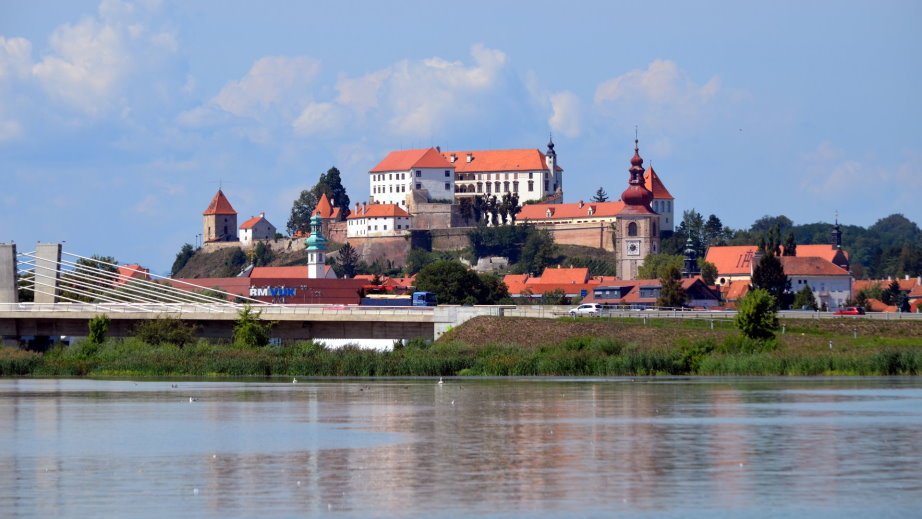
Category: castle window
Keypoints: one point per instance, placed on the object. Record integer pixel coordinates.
(632, 229)
(515, 186)
(447, 173)
(419, 173)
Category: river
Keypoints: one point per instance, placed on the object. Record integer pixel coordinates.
(646, 447)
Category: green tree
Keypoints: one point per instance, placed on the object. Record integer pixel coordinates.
(655, 266)
(262, 255)
(757, 316)
(600, 195)
(466, 209)
(331, 184)
(769, 275)
(301, 211)
(250, 329)
(99, 327)
(671, 294)
(538, 252)
(804, 299)
(182, 257)
(790, 245)
(494, 290)
(554, 297)
(166, 330)
(348, 259)
(861, 299)
(708, 271)
(451, 281)
(891, 295)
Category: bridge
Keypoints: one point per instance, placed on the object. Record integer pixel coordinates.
(68, 290)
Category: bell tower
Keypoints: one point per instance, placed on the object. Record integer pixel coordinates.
(316, 250)
(636, 232)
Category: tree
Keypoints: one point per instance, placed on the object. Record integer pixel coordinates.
(554, 297)
(250, 329)
(348, 259)
(494, 290)
(451, 281)
(466, 209)
(166, 330)
(757, 316)
(862, 300)
(538, 252)
(769, 275)
(514, 207)
(99, 327)
(91, 279)
(714, 232)
(708, 271)
(182, 257)
(671, 294)
(790, 245)
(891, 295)
(767, 223)
(600, 196)
(804, 299)
(656, 266)
(331, 184)
(301, 210)
(262, 255)
(478, 208)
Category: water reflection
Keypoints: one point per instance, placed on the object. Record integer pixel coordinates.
(472, 447)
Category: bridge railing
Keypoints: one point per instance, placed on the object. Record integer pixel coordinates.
(188, 309)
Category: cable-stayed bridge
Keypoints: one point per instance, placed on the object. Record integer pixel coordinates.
(67, 290)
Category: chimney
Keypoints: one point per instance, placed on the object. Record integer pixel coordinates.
(438, 149)
(580, 204)
(262, 214)
(470, 157)
(907, 277)
(453, 158)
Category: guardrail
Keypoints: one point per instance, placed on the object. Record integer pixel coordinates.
(181, 309)
(553, 312)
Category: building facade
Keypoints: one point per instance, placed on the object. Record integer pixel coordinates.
(219, 220)
(663, 202)
(636, 229)
(402, 172)
(377, 220)
(529, 173)
(256, 228)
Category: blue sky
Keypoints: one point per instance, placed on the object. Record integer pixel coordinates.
(119, 119)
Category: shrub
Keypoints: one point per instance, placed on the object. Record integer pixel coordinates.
(166, 330)
(250, 329)
(757, 315)
(99, 327)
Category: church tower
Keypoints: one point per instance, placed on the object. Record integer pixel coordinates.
(316, 250)
(837, 234)
(636, 231)
(219, 220)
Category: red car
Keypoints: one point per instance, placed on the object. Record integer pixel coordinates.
(850, 310)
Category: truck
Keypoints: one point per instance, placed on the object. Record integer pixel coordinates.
(414, 299)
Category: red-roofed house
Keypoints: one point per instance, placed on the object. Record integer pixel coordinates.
(528, 172)
(401, 172)
(256, 228)
(735, 262)
(377, 220)
(643, 293)
(831, 285)
(219, 220)
(326, 211)
(574, 282)
(133, 271)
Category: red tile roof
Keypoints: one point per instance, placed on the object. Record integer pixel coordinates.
(876, 305)
(299, 271)
(653, 183)
(323, 208)
(405, 160)
(379, 211)
(249, 224)
(132, 271)
(219, 205)
(498, 160)
(569, 211)
(906, 285)
(732, 259)
(810, 266)
(562, 275)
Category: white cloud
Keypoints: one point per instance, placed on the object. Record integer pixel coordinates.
(9, 130)
(318, 118)
(361, 94)
(566, 116)
(15, 58)
(274, 83)
(661, 96)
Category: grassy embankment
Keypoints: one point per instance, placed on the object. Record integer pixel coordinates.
(519, 346)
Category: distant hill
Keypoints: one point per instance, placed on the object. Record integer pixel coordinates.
(231, 261)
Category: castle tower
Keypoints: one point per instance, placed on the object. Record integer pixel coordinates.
(316, 250)
(219, 220)
(636, 231)
(550, 158)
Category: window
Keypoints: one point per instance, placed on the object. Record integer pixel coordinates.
(385, 227)
(506, 187)
(419, 173)
(390, 177)
(497, 185)
(419, 186)
(447, 185)
(447, 173)
(515, 186)
(545, 185)
(632, 229)
(530, 176)
(531, 184)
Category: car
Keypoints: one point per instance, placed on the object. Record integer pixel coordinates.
(586, 309)
(850, 310)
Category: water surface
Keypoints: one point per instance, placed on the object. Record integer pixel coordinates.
(530, 447)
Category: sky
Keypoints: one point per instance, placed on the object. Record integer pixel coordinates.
(119, 120)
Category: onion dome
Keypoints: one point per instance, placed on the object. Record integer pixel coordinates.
(637, 197)
(316, 241)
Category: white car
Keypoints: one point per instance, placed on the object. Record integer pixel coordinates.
(586, 309)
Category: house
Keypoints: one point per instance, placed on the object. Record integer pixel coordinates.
(529, 173)
(643, 293)
(132, 271)
(831, 285)
(911, 287)
(255, 229)
(663, 202)
(326, 211)
(402, 172)
(219, 220)
(565, 214)
(573, 282)
(736, 262)
(377, 220)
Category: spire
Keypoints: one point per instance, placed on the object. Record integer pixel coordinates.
(316, 242)
(550, 146)
(837, 234)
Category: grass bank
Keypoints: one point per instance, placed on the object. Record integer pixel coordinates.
(519, 347)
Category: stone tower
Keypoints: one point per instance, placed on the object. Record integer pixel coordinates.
(316, 250)
(219, 220)
(636, 232)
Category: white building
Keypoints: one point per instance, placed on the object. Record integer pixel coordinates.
(831, 285)
(527, 172)
(256, 228)
(404, 171)
(663, 202)
(371, 220)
